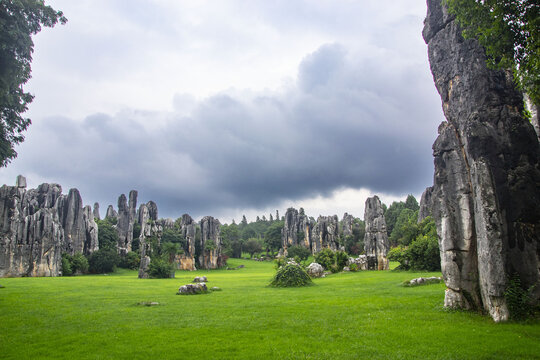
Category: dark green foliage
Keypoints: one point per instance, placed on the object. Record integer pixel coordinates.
(291, 275)
(103, 261)
(392, 214)
(66, 265)
(341, 259)
(272, 236)
(160, 268)
(136, 232)
(107, 235)
(299, 253)
(519, 300)
(422, 253)
(170, 250)
(76, 264)
(405, 229)
(411, 203)
(173, 236)
(326, 258)
(509, 32)
(279, 262)
(19, 20)
(79, 263)
(230, 238)
(253, 246)
(132, 260)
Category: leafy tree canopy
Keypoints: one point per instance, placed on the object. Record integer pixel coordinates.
(510, 33)
(19, 20)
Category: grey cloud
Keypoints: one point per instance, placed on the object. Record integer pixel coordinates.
(349, 122)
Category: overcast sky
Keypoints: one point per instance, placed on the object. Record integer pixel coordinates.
(228, 107)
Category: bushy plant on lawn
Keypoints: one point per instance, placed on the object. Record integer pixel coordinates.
(76, 264)
(103, 261)
(341, 259)
(298, 253)
(131, 261)
(160, 268)
(291, 275)
(519, 301)
(325, 257)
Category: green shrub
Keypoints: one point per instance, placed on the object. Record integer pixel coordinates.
(300, 252)
(279, 262)
(401, 255)
(341, 259)
(79, 263)
(103, 261)
(326, 258)
(424, 254)
(131, 261)
(66, 265)
(291, 275)
(353, 267)
(334, 268)
(160, 268)
(519, 301)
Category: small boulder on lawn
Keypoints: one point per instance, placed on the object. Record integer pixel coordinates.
(192, 289)
(315, 270)
(200, 279)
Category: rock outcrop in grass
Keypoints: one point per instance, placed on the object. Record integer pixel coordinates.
(376, 238)
(486, 194)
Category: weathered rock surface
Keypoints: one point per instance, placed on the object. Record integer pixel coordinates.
(423, 281)
(210, 244)
(295, 224)
(348, 224)
(325, 234)
(361, 262)
(200, 279)
(486, 195)
(376, 238)
(38, 225)
(126, 221)
(96, 211)
(315, 270)
(192, 289)
(111, 213)
(426, 204)
(188, 229)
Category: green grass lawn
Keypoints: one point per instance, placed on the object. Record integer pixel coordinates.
(344, 316)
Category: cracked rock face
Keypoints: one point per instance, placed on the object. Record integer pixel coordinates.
(325, 234)
(210, 244)
(126, 220)
(296, 224)
(426, 204)
(486, 193)
(376, 242)
(38, 225)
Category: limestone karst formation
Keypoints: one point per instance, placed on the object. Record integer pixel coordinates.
(486, 193)
(126, 220)
(426, 204)
(210, 256)
(300, 230)
(295, 224)
(38, 225)
(376, 242)
(188, 228)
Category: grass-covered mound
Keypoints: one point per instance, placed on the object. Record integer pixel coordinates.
(291, 275)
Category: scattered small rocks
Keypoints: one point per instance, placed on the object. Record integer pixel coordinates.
(346, 268)
(240, 266)
(200, 279)
(215, 288)
(423, 281)
(193, 289)
(148, 303)
(315, 270)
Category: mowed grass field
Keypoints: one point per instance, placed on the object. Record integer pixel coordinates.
(363, 315)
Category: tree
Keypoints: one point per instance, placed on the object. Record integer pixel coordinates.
(107, 235)
(272, 236)
(298, 252)
(392, 214)
(253, 246)
(411, 203)
(169, 250)
(406, 228)
(509, 31)
(19, 20)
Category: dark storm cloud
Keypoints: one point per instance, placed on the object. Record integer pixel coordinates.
(348, 122)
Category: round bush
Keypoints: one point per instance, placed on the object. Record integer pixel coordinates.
(326, 258)
(291, 275)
